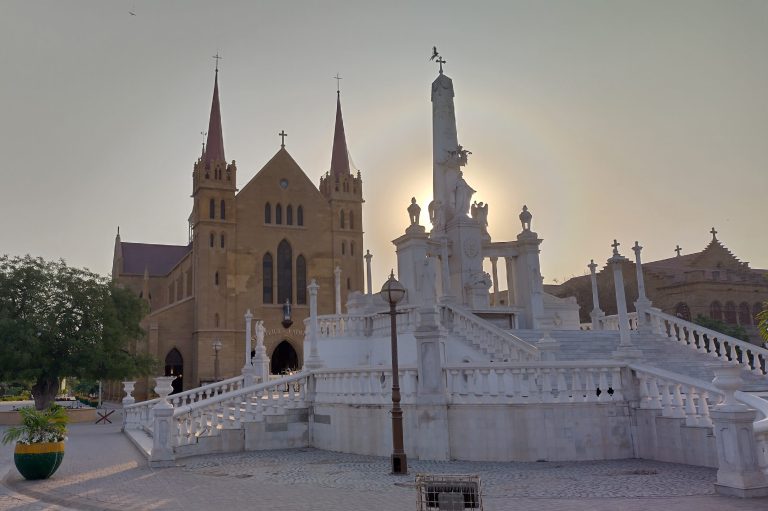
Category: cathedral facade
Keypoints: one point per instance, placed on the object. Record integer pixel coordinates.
(254, 249)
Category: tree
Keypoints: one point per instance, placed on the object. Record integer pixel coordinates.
(57, 321)
(736, 331)
(762, 322)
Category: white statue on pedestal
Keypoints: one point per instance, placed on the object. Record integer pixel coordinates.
(463, 195)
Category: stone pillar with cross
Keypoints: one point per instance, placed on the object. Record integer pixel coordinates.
(642, 304)
(368, 256)
(597, 314)
(625, 350)
(282, 134)
(678, 250)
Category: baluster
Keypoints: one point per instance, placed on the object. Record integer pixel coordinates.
(484, 384)
(654, 403)
(514, 391)
(677, 401)
(455, 384)
(691, 419)
(704, 418)
(603, 383)
(562, 386)
(546, 385)
(577, 392)
(500, 388)
(618, 394)
(590, 385)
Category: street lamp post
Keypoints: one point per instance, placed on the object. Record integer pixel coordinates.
(392, 292)
(216, 350)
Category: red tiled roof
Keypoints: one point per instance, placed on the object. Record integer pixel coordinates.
(157, 259)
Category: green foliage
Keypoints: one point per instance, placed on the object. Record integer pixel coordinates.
(762, 322)
(736, 331)
(57, 321)
(38, 426)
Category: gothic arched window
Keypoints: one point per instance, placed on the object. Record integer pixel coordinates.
(301, 280)
(267, 213)
(351, 220)
(278, 214)
(289, 215)
(745, 318)
(216, 320)
(223, 210)
(716, 311)
(216, 279)
(212, 239)
(266, 274)
(343, 247)
(351, 248)
(212, 209)
(341, 218)
(756, 309)
(729, 313)
(284, 272)
(300, 216)
(222, 240)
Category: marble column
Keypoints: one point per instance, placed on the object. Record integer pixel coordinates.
(313, 361)
(643, 303)
(368, 256)
(248, 372)
(510, 267)
(597, 314)
(495, 276)
(337, 284)
(625, 342)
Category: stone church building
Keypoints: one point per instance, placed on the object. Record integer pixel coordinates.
(712, 282)
(254, 249)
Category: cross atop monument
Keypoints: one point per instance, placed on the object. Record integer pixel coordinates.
(714, 234)
(615, 246)
(218, 58)
(441, 61)
(592, 266)
(282, 134)
(678, 249)
(338, 79)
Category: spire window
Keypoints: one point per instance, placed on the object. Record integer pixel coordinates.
(300, 216)
(222, 240)
(216, 279)
(351, 219)
(351, 248)
(267, 278)
(278, 214)
(289, 215)
(343, 247)
(268, 213)
(223, 210)
(212, 240)
(341, 219)
(212, 209)
(301, 280)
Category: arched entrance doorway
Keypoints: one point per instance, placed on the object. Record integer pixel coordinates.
(283, 359)
(174, 366)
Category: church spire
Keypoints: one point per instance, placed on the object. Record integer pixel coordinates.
(214, 147)
(339, 157)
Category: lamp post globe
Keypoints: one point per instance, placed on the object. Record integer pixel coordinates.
(393, 292)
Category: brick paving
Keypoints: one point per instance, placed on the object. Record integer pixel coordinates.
(102, 470)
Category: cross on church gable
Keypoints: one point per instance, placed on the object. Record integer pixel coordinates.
(282, 134)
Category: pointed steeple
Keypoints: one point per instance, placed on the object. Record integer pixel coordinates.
(214, 146)
(339, 157)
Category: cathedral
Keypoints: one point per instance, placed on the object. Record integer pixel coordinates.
(254, 248)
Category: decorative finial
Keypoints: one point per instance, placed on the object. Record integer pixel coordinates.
(637, 248)
(204, 134)
(338, 79)
(592, 265)
(218, 58)
(678, 249)
(118, 230)
(282, 134)
(392, 274)
(714, 234)
(615, 246)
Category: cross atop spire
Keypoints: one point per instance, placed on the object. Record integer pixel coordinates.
(615, 246)
(441, 61)
(218, 58)
(678, 250)
(714, 234)
(282, 134)
(338, 79)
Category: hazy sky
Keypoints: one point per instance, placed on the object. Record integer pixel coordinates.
(610, 119)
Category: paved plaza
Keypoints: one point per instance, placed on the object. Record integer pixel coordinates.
(102, 470)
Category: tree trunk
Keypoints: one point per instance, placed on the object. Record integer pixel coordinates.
(44, 391)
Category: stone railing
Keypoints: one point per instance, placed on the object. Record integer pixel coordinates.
(676, 395)
(232, 409)
(483, 335)
(539, 382)
(377, 324)
(720, 346)
(363, 385)
(612, 322)
(139, 415)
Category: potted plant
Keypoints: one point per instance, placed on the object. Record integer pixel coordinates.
(39, 441)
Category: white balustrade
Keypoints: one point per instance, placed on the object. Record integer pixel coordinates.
(720, 346)
(230, 410)
(485, 336)
(368, 385)
(535, 382)
(138, 415)
(612, 322)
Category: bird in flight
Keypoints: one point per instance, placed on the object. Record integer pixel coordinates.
(434, 53)
(132, 13)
